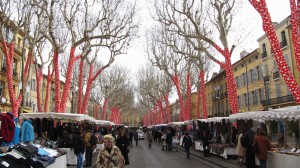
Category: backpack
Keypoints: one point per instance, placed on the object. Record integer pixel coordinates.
(244, 140)
(93, 139)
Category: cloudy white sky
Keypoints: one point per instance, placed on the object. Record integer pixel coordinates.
(137, 57)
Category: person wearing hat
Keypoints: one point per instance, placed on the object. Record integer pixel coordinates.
(111, 155)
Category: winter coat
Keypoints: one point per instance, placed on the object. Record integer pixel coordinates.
(87, 138)
(263, 145)
(187, 141)
(7, 127)
(27, 131)
(136, 136)
(77, 143)
(114, 159)
(240, 150)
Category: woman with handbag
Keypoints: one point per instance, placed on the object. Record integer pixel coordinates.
(263, 144)
(122, 143)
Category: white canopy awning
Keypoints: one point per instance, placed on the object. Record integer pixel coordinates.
(214, 119)
(102, 122)
(60, 116)
(176, 123)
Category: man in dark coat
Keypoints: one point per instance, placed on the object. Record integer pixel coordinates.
(250, 155)
(122, 143)
(136, 138)
(78, 146)
(130, 137)
(187, 142)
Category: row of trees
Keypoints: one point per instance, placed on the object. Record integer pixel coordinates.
(67, 36)
(193, 33)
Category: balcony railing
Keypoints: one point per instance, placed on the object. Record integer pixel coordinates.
(264, 55)
(277, 100)
(283, 43)
(276, 75)
(266, 79)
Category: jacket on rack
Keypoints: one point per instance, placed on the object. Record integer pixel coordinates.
(27, 131)
(7, 127)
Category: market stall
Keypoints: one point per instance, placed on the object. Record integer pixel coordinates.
(222, 149)
(67, 123)
(280, 155)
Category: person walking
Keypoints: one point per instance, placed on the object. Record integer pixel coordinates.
(205, 138)
(187, 142)
(88, 147)
(122, 143)
(78, 146)
(130, 137)
(164, 142)
(264, 146)
(150, 138)
(110, 156)
(169, 139)
(250, 155)
(136, 138)
(240, 149)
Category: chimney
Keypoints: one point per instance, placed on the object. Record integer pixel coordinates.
(243, 54)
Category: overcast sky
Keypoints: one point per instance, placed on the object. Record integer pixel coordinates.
(137, 57)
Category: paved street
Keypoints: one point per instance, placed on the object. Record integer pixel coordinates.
(142, 157)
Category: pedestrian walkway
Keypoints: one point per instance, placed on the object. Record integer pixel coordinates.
(142, 157)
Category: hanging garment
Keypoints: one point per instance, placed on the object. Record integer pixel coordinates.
(7, 127)
(27, 132)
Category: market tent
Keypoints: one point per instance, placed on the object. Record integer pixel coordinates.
(290, 113)
(175, 123)
(102, 122)
(60, 116)
(35, 115)
(253, 115)
(215, 119)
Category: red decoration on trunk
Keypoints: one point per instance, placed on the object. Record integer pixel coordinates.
(8, 53)
(48, 87)
(104, 109)
(188, 98)
(231, 85)
(166, 97)
(268, 27)
(177, 84)
(295, 22)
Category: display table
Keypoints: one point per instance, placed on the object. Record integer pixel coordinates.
(60, 162)
(278, 160)
(223, 150)
(199, 145)
(71, 157)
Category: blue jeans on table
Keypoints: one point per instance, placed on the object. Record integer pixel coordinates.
(262, 163)
(79, 160)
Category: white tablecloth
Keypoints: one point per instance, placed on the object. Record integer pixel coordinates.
(60, 162)
(71, 157)
(199, 145)
(278, 160)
